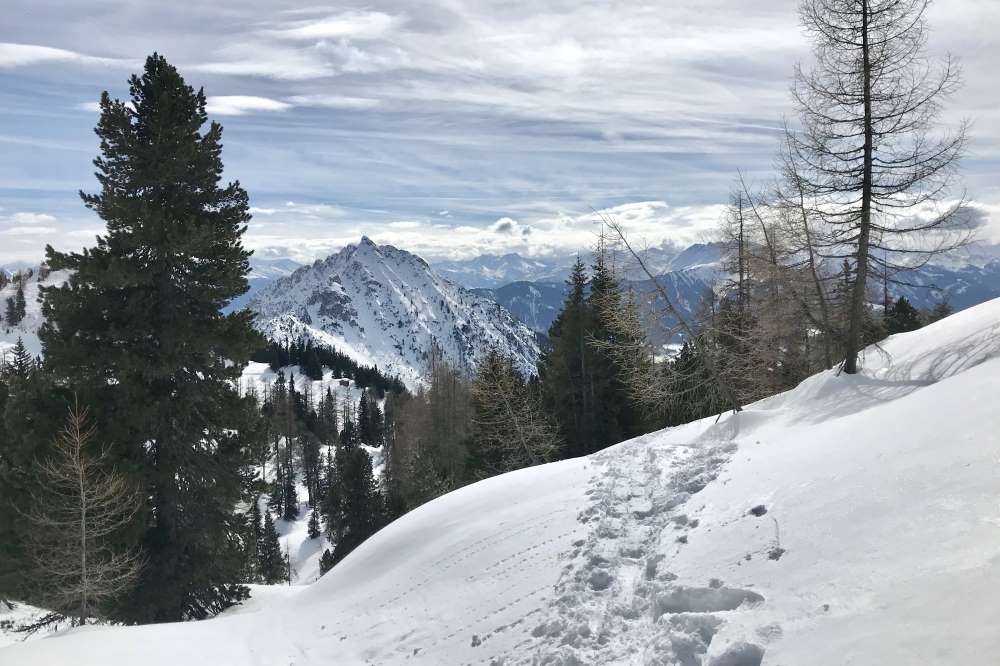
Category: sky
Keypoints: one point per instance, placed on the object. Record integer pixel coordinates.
(450, 128)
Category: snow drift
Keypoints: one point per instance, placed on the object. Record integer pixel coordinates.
(852, 520)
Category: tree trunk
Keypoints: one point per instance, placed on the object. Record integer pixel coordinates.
(857, 310)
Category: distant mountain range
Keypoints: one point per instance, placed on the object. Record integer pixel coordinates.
(490, 271)
(387, 307)
(533, 288)
(963, 279)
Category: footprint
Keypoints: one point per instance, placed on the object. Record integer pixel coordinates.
(739, 654)
(683, 599)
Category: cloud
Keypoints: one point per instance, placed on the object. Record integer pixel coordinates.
(349, 25)
(504, 225)
(647, 223)
(314, 210)
(333, 101)
(261, 59)
(29, 218)
(238, 105)
(22, 55)
(509, 227)
(536, 111)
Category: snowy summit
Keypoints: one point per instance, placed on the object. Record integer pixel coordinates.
(385, 307)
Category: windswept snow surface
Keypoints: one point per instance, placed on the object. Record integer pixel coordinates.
(853, 520)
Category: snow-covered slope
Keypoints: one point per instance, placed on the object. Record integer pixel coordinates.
(27, 328)
(386, 307)
(852, 520)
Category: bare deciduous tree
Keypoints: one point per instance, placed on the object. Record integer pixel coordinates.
(713, 374)
(865, 154)
(81, 502)
(510, 428)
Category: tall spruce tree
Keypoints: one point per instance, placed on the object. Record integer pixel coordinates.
(271, 561)
(255, 534)
(21, 363)
(16, 307)
(137, 332)
(616, 414)
(565, 368)
(582, 379)
(315, 528)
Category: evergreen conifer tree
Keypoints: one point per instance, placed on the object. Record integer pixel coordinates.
(582, 379)
(564, 368)
(364, 419)
(272, 564)
(902, 317)
(254, 540)
(16, 307)
(326, 561)
(314, 524)
(289, 496)
(311, 366)
(137, 332)
(359, 502)
(20, 305)
(21, 364)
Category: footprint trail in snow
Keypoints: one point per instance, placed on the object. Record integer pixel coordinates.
(616, 590)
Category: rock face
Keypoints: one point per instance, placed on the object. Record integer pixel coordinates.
(385, 307)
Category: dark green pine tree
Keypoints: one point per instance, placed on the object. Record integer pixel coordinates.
(20, 305)
(616, 415)
(21, 364)
(326, 561)
(315, 528)
(349, 437)
(376, 424)
(312, 467)
(311, 366)
(902, 317)
(364, 418)
(16, 307)
(31, 408)
(371, 423)
(360, 502)
(564, 369)
(327, 427)
(289, 495)
(137, 332)
(254, 540)
(271, 563)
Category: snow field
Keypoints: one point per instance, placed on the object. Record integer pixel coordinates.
(852, 520)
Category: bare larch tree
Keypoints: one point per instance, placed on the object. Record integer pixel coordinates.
(510, 428)
(865, 153)
(81, 503)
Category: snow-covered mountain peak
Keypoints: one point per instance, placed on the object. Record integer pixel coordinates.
(384, 306)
